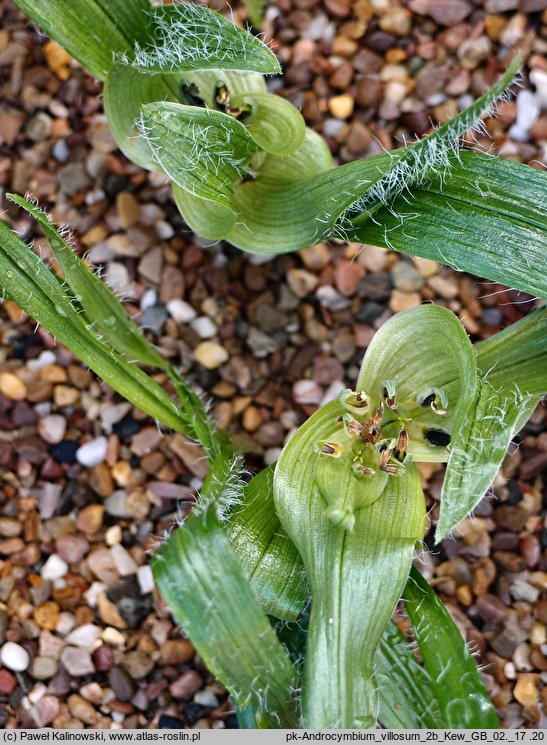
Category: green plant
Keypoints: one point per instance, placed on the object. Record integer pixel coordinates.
(185, 95)
(336, 521)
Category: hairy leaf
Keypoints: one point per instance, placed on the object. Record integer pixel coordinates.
(26, 281)
(92, 31)
(187, 36)
(404, 687)
(462, 698)
(202, 581)
(265, 552)
(202, 150)
(485, 216)
(274, 123)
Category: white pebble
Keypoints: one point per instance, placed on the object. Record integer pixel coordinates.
(92, 593)
(307, 392)
(47, 357)
(123, 560)
(52, 428)
(66, 623)
(93, 452)
(164, 231)
(206, 698)
(146, 579)
(14, 657)
(54, 568)
(180, 311)
(204, 327)
(84, 636)
(528, 109)
(149, 299)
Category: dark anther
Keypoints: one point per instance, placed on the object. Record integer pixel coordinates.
(428, 400)
(437, 437)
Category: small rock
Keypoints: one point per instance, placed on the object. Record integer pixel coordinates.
(128, 208)
(123, 561)
(154, 318)
(526, 690)
(84, 636)
(444, 287)
(528, 109)
(307, 392)
(186, 685)
(397, 20)
(331, 299)
(82, 709)
(146, 579)
(474, 51)
(44, 668)
(121, 684)
(151, 264)
(12, 387)
(404, 300)
(210, 355)
(347, 276)
(180, 311)
(449, 12)
(71, 548)
(8, 683)
(103, 658)
(47, 615)
(341, 107)
(14, 657)
(176, 652)
(90, 518)
(147, 440)
(261, 344)
(522, 590)
(52, 428)
(77, 661)
(93, 452)
(204, 327)
(301, 282)
(315, 257)
(48, 708)
(138, 664)
(54, 568)
(405, 277)
(72, 178)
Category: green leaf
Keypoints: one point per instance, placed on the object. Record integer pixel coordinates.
(104, 312)
(477, 450)
(265, 552)
(187, 36)
(517, 355)
(274, 123)
(26, 281)
(125, 92)
(202, 581)
(100, 306)
(92, 31)
(404, 687)
(356, 577)
(202, 150)
(485, 216)
(463, 700)
(423, 349)
(414, 164)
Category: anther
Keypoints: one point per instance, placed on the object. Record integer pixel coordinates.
(388, 393)
(332, 449)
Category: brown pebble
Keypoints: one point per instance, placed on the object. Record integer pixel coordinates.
(90, 518)
(186, 685)
(121, 684)
(176, 652)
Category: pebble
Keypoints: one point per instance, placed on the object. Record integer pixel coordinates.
(176, 652)
(210, 355)
(54, 568)
(71, 548)
(307, 392)
(187, 685)
(8, 682)
(404, 300)
(331, 298)
(204, 327)
(44, 668)
(52, 428)
(397, 20)
(301, 282)
(121, 684)
(82, 709)
(77, 661)
(341, 107)
(14, 657)
(449, 12)
(90, 518)
(12, 387)
(93, 452)
(528, 108)
(443, 286)
(48, 708)
(315, 257)
(180, 311)
(123, 561)
(84, 636)
(405, 277)
(146, 579)
(138, 664)
(347, 276)
(526, 689)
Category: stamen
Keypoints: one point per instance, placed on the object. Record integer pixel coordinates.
(352, 427)
(360, 470)
(402, 441)
(332, 449)
(356, 402)
(388, 393)
(436, 398)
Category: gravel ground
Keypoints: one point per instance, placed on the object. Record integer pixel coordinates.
(86, 481)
